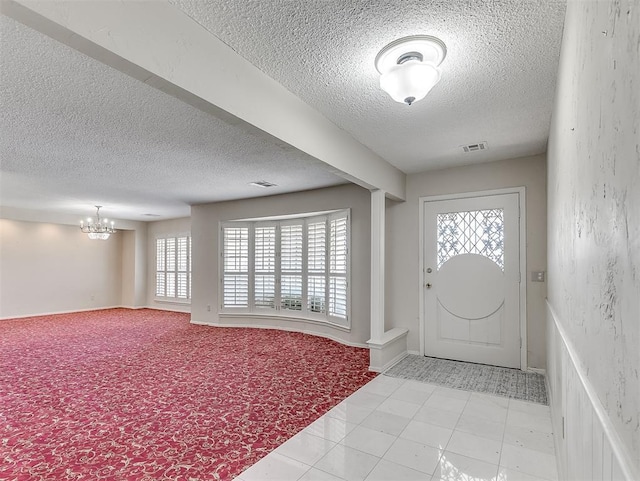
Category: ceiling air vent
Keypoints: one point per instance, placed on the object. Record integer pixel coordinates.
(475, 147)
(262, 183)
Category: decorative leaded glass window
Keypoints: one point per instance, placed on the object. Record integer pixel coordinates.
(472, 232)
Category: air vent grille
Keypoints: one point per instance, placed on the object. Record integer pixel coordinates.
(262, 183)
(475, 147)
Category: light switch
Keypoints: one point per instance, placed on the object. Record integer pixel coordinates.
(537, 276)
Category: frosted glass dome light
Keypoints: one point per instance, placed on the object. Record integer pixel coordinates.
(408, 67)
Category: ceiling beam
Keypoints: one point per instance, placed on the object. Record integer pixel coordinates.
(159, 44)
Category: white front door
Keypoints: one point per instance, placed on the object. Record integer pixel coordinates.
(472, 279)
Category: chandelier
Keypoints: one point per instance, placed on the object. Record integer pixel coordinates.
(101, 229)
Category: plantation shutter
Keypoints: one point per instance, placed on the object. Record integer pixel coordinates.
(173, 267)
(295, 267)
(236, 267)
(183, 259)
(338, 258)
(317, 266)
(170, 251)
(160, 267)
(291, 267)
(265, 267)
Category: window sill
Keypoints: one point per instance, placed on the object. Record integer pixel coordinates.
(283, 317)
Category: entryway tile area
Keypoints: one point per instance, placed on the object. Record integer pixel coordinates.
(394, 429)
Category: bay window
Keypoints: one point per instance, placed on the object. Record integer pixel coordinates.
(293, 267)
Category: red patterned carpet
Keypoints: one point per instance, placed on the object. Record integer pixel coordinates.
(144, 395)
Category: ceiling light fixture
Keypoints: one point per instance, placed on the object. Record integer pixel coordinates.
(98, 230)
(408, 67)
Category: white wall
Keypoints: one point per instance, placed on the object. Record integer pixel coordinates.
(205, 221)
(134, 267)
(155, 230)
(48, 268)
(403, 286)
(594, 242)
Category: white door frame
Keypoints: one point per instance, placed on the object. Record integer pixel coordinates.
(522, 252)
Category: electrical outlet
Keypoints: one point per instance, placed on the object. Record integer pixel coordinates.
(208, 307)
(537, 276)
(93, 298)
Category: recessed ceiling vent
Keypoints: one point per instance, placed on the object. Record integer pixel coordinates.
(262, 183)
(475, 147)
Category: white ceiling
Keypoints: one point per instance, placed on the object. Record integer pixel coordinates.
(498, 79)
(76, 132)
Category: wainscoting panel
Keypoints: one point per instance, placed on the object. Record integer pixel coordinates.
(587, 447)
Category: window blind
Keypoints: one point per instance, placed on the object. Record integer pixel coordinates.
(338, 258)
(265, 266)
(290, 266)
(173, 267)
(236, 267)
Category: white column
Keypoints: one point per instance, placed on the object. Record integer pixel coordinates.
(385, 347)
(377, 263)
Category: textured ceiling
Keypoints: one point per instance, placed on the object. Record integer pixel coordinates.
(498, 79)
(76, 132)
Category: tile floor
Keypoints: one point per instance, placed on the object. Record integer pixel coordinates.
(401, 430)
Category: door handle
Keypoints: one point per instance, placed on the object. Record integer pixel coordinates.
(428, 285)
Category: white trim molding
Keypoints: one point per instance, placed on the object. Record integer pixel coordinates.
(287, 328)
(72, 311)
(388, 349)
(170, 307)
(536, 370)
(587, 444)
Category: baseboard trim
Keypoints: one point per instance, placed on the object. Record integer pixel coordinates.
(280, 328)
(387, 349)
(54, 313)
(176, 308)
(537, 370)
(391, 363)
(618, 448)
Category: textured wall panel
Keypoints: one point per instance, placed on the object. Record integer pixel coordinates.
(594, 205)
(587, 446)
